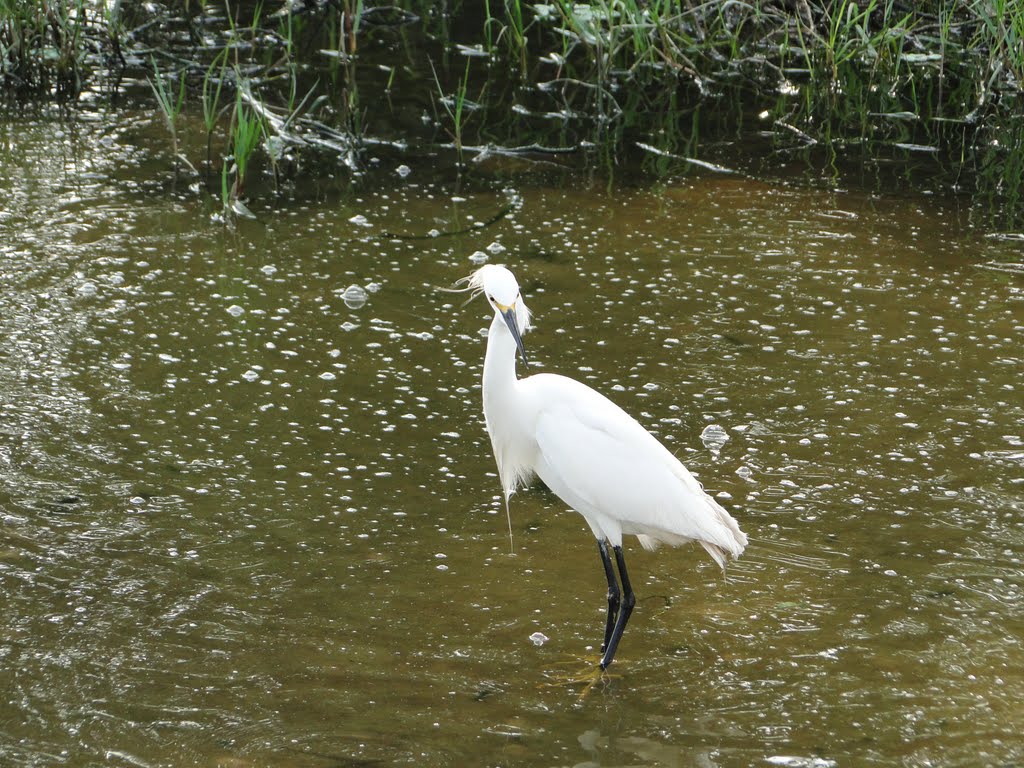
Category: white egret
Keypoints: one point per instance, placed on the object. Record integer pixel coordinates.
(591, 454)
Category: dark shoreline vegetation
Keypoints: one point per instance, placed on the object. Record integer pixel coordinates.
(256, 96)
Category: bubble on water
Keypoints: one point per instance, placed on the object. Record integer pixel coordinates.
(495, 248)
(360, 221)
(403, 170)
(539, 638)
(792, 761)
(236, 311)
(354, 296)
(87, 290)
(714, 437)
(479, 257)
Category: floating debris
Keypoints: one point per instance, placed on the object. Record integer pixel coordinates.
(916, 147)
(1012, 268)
(908, 116)
(241, 209)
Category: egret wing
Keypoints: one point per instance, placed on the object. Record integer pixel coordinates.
(603, 463)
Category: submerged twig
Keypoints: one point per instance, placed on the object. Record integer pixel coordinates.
(477, 226)
(692, 160)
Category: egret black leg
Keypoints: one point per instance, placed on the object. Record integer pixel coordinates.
(625, 608)
(613, 593)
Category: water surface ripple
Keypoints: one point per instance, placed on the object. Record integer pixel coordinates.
(250, 517)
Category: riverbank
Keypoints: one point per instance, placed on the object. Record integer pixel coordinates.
(907, 97)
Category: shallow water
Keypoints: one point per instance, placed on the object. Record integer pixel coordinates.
(250, 516)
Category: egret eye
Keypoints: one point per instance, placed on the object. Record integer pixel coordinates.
(490, 298)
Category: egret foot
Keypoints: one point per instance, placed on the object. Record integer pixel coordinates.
(586, 676)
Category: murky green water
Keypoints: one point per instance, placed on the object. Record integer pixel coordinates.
(243, 523)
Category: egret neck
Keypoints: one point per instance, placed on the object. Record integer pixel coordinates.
(505, 410)
(500, 358)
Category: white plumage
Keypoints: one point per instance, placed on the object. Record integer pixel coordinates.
(592, 454)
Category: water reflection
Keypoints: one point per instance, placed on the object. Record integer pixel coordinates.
(248, 520)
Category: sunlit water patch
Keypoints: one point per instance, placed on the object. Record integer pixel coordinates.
(251, 513)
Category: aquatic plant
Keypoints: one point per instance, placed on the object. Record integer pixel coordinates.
(885, 76)
(43, 44)
(515, 31)
(170, 104)
(876, 80)
(456, 106)
(247, 130)
(213, 82)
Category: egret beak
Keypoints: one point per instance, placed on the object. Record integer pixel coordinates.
(508, 314)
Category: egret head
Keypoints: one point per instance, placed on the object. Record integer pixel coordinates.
(499, 287)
